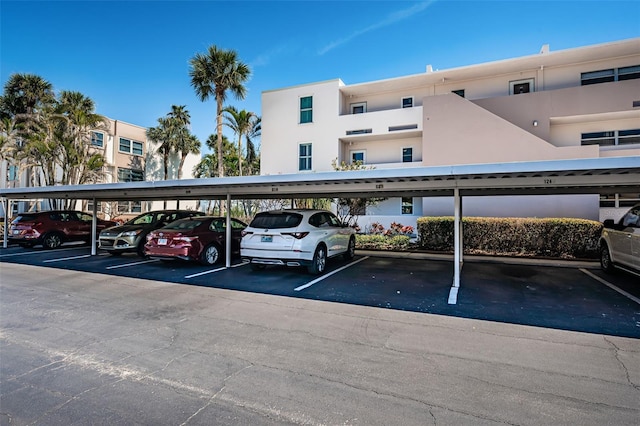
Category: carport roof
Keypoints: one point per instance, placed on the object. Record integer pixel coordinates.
(594, 175)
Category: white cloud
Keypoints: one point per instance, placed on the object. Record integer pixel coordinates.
(391, 19)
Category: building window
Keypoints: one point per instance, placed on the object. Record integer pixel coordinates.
(459, 92)
(521, 86)
(129, 207)
(629, 73)
(306, 109)
(90, 206)
(358, 157)
(97, 139)
(12, 173)
(407, 155)
(304, 158)
(407, 205)
(611, 137)
(359, 108)
(612, 74)
(130, 175)
(620, 200)
(130, 147)
(407, 102)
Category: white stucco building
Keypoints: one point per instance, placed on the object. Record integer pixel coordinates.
(569, 104)
(130, 156)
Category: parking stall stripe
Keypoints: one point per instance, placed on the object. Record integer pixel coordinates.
(206, 272)
(131, 264)
(317, 280)
(611, 286)
(65, 258)
(215, 270)
(36, 252)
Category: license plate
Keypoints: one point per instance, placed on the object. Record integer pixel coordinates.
(162, 241)
(266, 238)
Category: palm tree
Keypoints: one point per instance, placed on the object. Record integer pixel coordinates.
(26, 94)
(80, 164)
(181, 115)
(162, 134)
(213, 74)
(186, 144)
(242, 123)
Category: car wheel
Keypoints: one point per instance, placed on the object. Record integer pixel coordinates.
(210, 255)
(605, 259)
(52, 240)
(351, 249)
(319, 261)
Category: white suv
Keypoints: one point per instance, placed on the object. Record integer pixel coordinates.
(296, 238)
(620, 243)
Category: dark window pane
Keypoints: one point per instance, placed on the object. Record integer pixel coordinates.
(306, 102)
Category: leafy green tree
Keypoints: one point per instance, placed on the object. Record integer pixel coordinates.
(243, 123)
(349, 209)
(208, 165)
(214, 74)
(174, 136)
(80, 162)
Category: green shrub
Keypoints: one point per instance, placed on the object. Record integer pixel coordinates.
(577, 238)
(381, 242)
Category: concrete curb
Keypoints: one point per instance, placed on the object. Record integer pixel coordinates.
(562, 263)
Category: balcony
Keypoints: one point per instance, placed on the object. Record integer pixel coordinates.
(380, 125)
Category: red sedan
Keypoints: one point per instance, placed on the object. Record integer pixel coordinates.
(200, 238)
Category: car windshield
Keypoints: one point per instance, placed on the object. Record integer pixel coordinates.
(142, 219)
(185, 225)
(276, 220)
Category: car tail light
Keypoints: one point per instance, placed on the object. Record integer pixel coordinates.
(185, 239)
(243, 233)
(296, 235)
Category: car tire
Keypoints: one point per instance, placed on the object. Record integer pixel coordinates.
(210, 255)
(52, 240)
(319, 262)
(351, 249)
(605, 259)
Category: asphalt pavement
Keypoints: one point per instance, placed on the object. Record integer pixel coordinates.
(79, 348)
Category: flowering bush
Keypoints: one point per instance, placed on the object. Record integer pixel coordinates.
(395, 229)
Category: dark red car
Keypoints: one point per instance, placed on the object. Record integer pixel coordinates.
(200, 238)
(52, 228)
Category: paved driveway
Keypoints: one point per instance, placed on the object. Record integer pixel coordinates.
(562, 295)
(86, 348)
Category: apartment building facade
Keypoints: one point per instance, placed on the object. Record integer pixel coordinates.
(569, 104)
(130, 156)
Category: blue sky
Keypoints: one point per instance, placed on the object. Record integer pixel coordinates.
(132, 57)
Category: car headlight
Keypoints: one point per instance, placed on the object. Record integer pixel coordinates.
(130, 233)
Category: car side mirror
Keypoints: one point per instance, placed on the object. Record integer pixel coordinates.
(609, 223)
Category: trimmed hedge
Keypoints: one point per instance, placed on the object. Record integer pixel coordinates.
(382, 242)
(564, 238)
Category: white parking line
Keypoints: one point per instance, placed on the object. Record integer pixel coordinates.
(317, 280)
(65, 258)
(215, 270)
(206, 272)
(611, 286)
(37, 252)
(131, 264)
